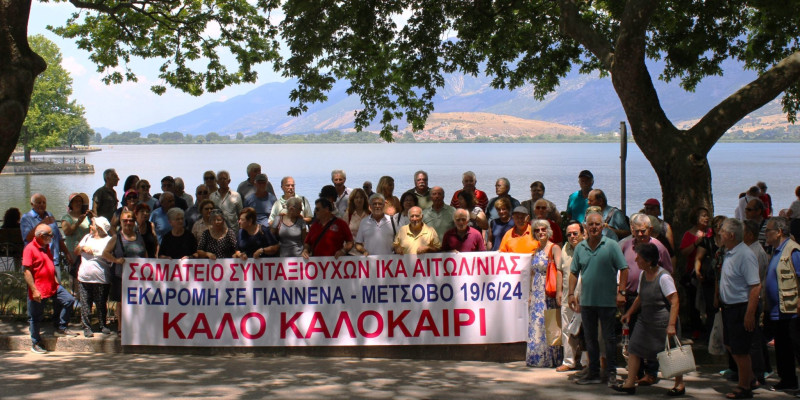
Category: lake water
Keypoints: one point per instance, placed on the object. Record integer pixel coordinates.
(735, 167)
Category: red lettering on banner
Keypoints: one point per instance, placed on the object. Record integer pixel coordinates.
(233, 277)
(445, 323)
(457, 313)
(177, 271)
(173, 324)
(290, 324)
(514, 270)
(317, 319)
(426, 323)
(279, 272)
(466, 266)
(482, 314)
(419, 269)
(201, 319)
(398, 323)
(261, 328)
(227, 320)
(132, 276)
(336, 272)
(344, 319)
(501, 266)
(362, 329)
(401, 269)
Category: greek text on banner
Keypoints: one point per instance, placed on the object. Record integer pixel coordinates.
(440, 298)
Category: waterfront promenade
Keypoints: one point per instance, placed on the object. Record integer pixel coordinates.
(106, 374)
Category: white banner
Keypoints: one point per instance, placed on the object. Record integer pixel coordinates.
(441, 298)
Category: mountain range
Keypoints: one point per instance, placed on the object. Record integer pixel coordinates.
(581, 104)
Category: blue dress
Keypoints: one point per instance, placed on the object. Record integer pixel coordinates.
(538, 353)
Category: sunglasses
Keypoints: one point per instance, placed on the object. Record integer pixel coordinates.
(47, 235)
(208, 178)
(570, 234)
(202, 193)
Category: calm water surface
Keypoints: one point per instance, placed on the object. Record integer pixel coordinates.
(735, 167)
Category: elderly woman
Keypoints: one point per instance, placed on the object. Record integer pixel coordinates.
(541, 210)
(178, 243)
(538, 352)
(202, 224)
(253, 240)
(146, 229)
(407, 200)
(386, 188)
(328, 235)
(129, 244)
(94, 272)
(76, 224)
(143, 188)
(218, 241)
(500, 225)
(290, 229)
(129, 201)
(658, 302)
(477, 218)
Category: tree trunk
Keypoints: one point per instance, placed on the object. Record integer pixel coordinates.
(27, 154)
(19, 67)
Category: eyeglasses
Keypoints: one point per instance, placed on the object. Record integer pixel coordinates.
(128, 220)
(571, 234)
(541, 208)
(208, 178)
(540, 230)
(47, 235)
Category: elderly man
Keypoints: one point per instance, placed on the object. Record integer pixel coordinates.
(739, 287)
(421, 190)
(439, 216)
(180, 192)
(328, 235)
(642, 229)
(462, 238)
(501, 188)
(40, 276)
(578, 201)
(781, 290)
(753, 193)
(261, 200)
(248, 186)
(159, 216)
(597, 260)
(572, 347)
(39, 215)
(168, 185)
(537, 193)
(105, 198)
(519, 239)
(469, 180)
(338, 178)
(193, 213)
(615, 226)
(279, 208)
(416, 237)
(210, 180)
(227, 200)
(376, 232)
(754, 211)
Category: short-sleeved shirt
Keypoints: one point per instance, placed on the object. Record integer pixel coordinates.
(739, 273)
(94, 268)
(472, 241)
(666, 282)
(105, 200)
(290, 236)
(230, 204)
(161, 221)
(178, 247)
(410, 243)
(491, 211)
(249, 244)
(80, 231)
(341, 202)
(423, 200)
(332, 240)
(499, 229)
(689, 239)
(279, 208)
(40, 262)
(615, 219)
(376, 236)
(441, 221)
(28, 223)
(481, 199)
(514, 243)
(223, 247)
(771, 282)
(577, 205)
(628, 247)
(246, 188)
(598, 269)
(262, 205)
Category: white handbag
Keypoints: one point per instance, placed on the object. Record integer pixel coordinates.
(574, 325)
(677, 361)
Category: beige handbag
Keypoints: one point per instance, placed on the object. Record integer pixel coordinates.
(552, 325)
(677, 361)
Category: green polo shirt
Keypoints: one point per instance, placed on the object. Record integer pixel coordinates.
(599, 269)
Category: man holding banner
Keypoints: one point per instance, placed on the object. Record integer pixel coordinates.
(416, 237)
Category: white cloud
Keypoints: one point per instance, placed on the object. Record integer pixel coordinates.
(72, 66)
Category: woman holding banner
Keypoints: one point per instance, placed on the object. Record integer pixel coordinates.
(290, 229)
(217, 241)
(539, 353)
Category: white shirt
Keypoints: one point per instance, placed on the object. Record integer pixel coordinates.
(376, 236)
(230, 204)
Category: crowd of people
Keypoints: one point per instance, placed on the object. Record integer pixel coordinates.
(610, 268)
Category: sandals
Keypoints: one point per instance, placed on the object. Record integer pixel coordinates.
(740, 393)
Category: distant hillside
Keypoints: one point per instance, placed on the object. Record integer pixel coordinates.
(468, 126)
(585, 102)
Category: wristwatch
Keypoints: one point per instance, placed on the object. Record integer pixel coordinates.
(623, 292)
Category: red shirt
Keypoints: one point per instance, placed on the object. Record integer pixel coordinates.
(481, 200)
(332, 240)
(473, 241)
(40, 262)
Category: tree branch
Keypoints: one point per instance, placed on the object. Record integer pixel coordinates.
(573, 26)
(633, 28)
(749, 98)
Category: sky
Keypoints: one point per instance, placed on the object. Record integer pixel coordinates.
(129, 105)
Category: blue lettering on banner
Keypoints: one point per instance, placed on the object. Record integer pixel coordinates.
(164, 297)
(311, 295)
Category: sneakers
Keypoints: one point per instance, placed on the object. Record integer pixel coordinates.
(38, 349)
(611, 380)
(589, 380)
(105, 330)
(66, 332)
(88, 333)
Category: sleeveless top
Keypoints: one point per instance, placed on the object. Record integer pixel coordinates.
(150, 239)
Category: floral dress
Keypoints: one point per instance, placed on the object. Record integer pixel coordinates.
(538, 353)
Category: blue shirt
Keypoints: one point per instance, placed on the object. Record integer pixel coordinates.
(577, 205)
(617, 221)
(739, 273)
(771, 282)
(160, 220)
(491, 212)
(29, 221)
(263, 207)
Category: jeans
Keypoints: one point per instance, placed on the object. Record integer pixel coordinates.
(62, 306)
(606, 316)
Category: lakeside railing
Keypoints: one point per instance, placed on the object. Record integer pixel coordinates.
(51, 160)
